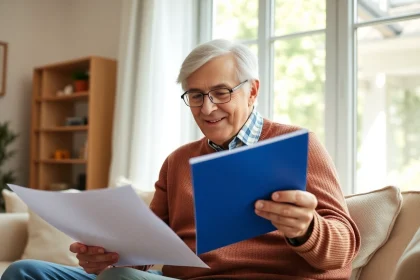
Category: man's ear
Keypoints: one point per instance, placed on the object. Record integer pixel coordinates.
(253, 94)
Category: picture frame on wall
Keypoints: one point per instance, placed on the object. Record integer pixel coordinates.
(3, 67)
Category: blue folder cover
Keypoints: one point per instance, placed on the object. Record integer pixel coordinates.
(227, 184)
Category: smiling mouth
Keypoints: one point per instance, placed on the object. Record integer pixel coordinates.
(214, 121)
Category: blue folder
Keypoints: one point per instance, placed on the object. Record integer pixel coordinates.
(227, 184)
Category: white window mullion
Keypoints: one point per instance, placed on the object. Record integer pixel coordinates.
(345, 153)
(340, 92)
(298, 34)
(265, 25)
(205, 21)
(205, 34)
(331, 79)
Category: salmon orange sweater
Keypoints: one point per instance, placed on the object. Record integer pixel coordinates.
(327, 254)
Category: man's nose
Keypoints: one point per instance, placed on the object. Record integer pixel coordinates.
(208, 106)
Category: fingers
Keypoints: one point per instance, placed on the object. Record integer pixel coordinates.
(289, 232)
(79, 248)
(291, 212)
(289, 223)
(94, 268)
(283, 210)
(95, 264)
(93, 259)
(299, 198)
(93, 250)
(98, 258)
(290, 227)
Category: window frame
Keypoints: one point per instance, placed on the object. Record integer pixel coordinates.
(340, 116)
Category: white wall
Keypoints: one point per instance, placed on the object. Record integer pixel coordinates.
(46, 31)
(92, 28)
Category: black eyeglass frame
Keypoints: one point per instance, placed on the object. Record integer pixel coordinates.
(208, 94)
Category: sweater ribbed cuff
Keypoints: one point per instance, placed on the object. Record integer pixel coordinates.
(309, 245)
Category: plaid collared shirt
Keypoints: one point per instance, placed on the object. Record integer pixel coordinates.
(248, 135)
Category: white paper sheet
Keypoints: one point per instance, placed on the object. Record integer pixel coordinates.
(115, 219)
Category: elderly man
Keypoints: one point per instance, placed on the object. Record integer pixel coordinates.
(315, 236)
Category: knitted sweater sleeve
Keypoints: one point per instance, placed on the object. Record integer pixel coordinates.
(335, 239)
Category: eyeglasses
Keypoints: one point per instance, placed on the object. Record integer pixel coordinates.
(195, 98)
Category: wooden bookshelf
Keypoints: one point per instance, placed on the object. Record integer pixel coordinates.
(73, 97)
(64, 128)
(63, 161)
(87, 145)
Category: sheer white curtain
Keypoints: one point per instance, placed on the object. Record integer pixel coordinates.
(150, 118)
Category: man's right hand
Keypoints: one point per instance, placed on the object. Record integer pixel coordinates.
(93, 259)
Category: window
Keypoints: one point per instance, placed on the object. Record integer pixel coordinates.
(297, 54)
(377, 101)
(380, 9)
(298, 16)
(299, 78)
(236, 19)
(388, 95)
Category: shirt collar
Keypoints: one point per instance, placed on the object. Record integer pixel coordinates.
(249, 134)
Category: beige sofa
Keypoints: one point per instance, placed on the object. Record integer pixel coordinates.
(387, 219)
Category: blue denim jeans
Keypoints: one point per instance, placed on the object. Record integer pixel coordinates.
(40, 270)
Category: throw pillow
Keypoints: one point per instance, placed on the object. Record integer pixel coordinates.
(374, 213)
(146, 196)
(13, 203)
(47, 243)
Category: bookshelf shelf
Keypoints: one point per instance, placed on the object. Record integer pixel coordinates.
(81, 96)
(64, 129)
(63, 161)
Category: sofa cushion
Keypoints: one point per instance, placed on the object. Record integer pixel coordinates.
(47, 243)
(3, 266)
(13, 203)
(408, 265)
(374, 213)
(13, 235)
(384, 262)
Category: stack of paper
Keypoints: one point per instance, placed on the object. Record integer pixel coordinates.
(115, 219)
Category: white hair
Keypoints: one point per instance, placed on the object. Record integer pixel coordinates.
(246, 61)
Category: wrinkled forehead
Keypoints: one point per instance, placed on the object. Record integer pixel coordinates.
(218, 71)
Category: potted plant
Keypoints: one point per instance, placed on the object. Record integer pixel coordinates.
(81, 81)
(6, 177)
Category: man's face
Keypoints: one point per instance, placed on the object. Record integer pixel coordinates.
(221, 122)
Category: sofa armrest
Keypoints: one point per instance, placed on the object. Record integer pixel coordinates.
(13, 235)
(408, 265)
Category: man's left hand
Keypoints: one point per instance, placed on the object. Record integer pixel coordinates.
(291, 212)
